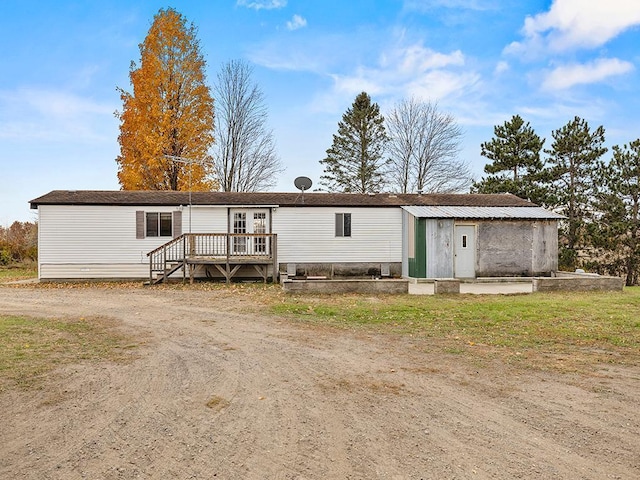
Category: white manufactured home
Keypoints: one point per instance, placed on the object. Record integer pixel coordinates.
(154, 234)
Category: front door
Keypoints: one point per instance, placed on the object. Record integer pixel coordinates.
(250, 222)
(465, 251)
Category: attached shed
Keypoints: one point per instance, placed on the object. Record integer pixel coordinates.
(479, 241)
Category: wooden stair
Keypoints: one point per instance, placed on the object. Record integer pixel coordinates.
(217, 249)
(162, 276)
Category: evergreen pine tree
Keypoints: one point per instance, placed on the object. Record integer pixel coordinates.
(617, 232)
(570, 170)
(355, 162)
(515, 155)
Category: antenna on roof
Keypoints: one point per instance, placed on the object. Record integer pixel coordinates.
(302, 184)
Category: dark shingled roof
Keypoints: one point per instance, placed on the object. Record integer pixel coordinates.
(168, 198)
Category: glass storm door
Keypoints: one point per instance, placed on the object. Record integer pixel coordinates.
(250, 223)
(239, 226)
(260, 226)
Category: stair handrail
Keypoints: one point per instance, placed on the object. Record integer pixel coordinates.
(165, 245)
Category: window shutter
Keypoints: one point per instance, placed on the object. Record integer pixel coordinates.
(339, 225)
(177, 223)
(139, 224)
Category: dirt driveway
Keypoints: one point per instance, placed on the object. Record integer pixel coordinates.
(221, 390)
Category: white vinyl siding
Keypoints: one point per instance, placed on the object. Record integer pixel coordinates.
(77, 271)
(93, 235)
(100, 241)
(308, 235)
(205, 220)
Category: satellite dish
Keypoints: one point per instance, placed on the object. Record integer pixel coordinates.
(303, 183)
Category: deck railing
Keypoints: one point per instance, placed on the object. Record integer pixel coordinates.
(231, 247)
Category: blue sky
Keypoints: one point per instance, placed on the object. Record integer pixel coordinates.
(481, 60)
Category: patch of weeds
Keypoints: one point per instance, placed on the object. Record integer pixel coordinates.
(21, 271)
(30, 348)
(455, 350)
(217, 403)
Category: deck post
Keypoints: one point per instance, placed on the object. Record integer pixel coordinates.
(192, 245)
(228, 255)
(184, 260)
(274, 252)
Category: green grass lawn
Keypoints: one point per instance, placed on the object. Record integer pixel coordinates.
(602, 326)
(32, 347)
(18, 272)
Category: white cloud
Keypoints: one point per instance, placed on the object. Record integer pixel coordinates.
(416, 58)
(401, 72)
(52, 115)
(501, 67)
(567, 76)
(389, 71)
(296, 22)
(412, 69)
(262, 4)
(573, 24)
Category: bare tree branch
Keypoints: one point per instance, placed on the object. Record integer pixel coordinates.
(245, 155)
(424, 149)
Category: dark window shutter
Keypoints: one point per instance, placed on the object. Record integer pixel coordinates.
(139, 224)
(339, 224)
(177, 223)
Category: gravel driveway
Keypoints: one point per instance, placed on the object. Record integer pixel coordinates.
(223, 390)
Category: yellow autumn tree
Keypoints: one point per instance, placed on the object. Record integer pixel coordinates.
(169, 113)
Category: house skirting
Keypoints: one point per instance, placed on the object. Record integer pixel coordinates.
(342, 269)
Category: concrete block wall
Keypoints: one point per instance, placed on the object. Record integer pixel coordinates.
(577, 283)
(390, 286)
(333, 270)
(446, 285)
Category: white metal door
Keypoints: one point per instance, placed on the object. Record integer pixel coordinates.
(465, 251)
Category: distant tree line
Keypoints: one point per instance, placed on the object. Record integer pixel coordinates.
(599, 197)
(18, 243)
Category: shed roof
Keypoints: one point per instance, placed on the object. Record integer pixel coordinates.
(169, 198)
(463, 212)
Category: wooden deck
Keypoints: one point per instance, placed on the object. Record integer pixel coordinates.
(228, 252)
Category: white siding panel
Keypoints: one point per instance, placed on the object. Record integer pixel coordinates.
(78, 271)
(308, 235)
(205, 220)
(94, 234)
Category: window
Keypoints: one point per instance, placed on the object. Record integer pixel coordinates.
(343, 224)
(155, 224)
(159, 224)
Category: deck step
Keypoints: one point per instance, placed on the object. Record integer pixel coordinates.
(167, 272)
